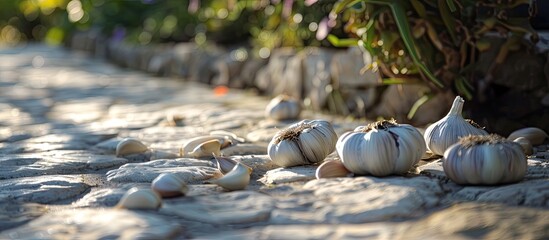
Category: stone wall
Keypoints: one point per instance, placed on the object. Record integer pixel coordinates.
(334, 80)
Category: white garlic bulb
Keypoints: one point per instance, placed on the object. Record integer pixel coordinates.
(332, 169)
(536, 136)
(381, 148)
(282, 107)
(130, 146)
(447, 131)
(484, 160)
(305, 142)
(169, 185)
(525, 145)
(139, 198)
(237, 179)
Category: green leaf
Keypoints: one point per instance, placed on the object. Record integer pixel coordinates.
(422, 100)
(392, 81)
(342, 4)
(344, 42)
(448, 19)
(461, 87)
(420, 9)
(451, 5)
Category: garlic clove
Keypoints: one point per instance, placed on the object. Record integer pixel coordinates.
(525, 145)
(191, 144)
(224, 164)
(226, 134)
(283, 107)
(169, 185)
(448, 130)
(332, 169)
(237, 179)
(206, 149)
(139, 198)
(535, 135)
(130, 146)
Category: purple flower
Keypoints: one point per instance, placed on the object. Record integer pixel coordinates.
(194, 5)
(118, 34)
(324, 28)
(287, 8)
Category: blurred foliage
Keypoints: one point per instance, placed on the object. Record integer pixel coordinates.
(434, 41)
(265, 24)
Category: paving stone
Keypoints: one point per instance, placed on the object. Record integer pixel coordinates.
(190, 170)
(359, 200)
(42, 189)
(226, 208)
(55, 162)
(96, 224)
(15, 213)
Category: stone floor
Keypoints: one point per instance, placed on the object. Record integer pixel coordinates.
(62, 115)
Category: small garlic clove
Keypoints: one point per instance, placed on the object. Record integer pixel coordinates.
(139, 198)
(206, 149)
(237, 179)
(130, 146)
(332, 169)
(525, 145)
(232, 137)
(535, 135)
(169, 185)
(224, 164)
(191, 144)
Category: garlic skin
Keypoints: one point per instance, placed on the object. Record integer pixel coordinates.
(194, 145)
(138, 198)
(224, 164)
(282, 107)
(130, 146)
(332, 169)
(484, 160)
(536, 136)
(381, 148)
(305, 142)
(237, 179)
(525, 145)
(169, 185)
(447, 131)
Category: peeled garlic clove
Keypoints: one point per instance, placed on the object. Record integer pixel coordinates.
(225, 165)
(282, 107)
(237, 179)
(305, 142)
(536, 136)
(169, 185)
(332, 169)
(206, 149)
(381, 148)
(484, 160)
(191, 144)
(130, 146)
(525, 145)
(138, 198)
(447, 131)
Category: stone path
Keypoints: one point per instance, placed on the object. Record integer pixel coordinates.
(62, 115)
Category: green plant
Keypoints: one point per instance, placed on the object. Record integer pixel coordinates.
(436, 42)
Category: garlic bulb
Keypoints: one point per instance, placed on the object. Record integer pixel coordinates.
(237, 179)
(525, 145)
(331, 169)
(447, 131)
(282, 107)
(484, 160)
(138, 198)
(381, 148)
(169, 185)
(130, 146)
(305, 142)
(536, 136)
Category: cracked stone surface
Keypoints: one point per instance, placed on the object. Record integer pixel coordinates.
(60, 178)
